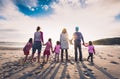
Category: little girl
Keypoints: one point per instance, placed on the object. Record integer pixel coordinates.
(91, 50)
(47, 49)
(27, 48)
(57, 50)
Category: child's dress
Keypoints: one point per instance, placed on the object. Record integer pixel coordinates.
(47, 49)
(27, 48)
(57, 49)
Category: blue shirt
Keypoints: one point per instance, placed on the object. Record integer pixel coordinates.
(78, 37)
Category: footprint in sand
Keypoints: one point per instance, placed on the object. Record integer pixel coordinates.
(105, 58)
(90, 70)
(86, 74)
(114, 62)
(109, 55)
(105, 68)
(118, 57)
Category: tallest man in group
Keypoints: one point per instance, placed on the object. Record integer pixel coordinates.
(78, 37)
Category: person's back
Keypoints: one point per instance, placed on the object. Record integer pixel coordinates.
(38, 40)
(78, 37)
(48, 45)
(27, 47)
(91, 49)
(57, 49)
(37, 36)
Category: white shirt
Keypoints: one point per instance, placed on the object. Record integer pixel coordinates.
(64, 41)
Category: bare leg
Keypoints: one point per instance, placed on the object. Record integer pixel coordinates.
(32, 57)
(43, 58)
(55, 57)
(38, 57)
(25, 58)
(58, 56)
(47, 58)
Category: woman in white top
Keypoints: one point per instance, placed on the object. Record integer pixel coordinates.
(64, 43)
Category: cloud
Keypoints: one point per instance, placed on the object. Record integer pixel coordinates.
(98, 19)
(45, 7)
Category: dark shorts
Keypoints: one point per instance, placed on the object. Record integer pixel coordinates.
(37, 46)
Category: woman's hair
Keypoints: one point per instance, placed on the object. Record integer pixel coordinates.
(90, 43)
(38, 28)
(30, 40)
(64, 30)
(58, 42)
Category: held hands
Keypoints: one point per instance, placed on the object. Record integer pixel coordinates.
(85, 44)
(52, 51)
(71, 42)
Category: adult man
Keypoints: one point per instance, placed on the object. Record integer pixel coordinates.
(77, 36)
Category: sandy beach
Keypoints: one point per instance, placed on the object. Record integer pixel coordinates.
(106, 65)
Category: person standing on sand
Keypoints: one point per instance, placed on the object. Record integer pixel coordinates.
(91, 50)
(64, 43)
(47, 49)
(27, 48)
(77, 37)
(57, 51)
(38, 41)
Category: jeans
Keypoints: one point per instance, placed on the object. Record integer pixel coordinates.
(90, 55)
(62, 50)
(77, 48)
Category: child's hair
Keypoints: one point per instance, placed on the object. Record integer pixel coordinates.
(49, 39)
(58, 42)
(30, 40)
(90, 43)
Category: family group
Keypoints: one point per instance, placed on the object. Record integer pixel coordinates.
(61, 46)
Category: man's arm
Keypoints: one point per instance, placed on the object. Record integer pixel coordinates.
(82, 39)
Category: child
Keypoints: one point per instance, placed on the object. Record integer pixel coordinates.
(57, 50)
(27, 48)
(91, 50)
(47, 49)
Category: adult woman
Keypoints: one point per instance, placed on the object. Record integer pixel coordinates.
(38, 40)
(64, 43)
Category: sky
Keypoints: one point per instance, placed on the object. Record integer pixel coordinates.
(96, 19)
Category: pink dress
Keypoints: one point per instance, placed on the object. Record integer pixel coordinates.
(57, 49)
(27, 48)
(47, 48)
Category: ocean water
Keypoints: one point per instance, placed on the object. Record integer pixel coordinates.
(22, 44)
(12, 44)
